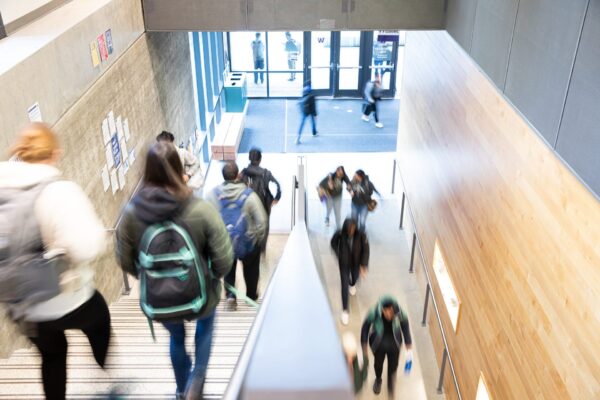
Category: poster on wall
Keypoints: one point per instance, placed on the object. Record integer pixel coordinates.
(114, 181)
(109, 156)
(105, 132)
(109, 41)
(116, 150)
(119, 123)
(105, 178)
(94, 53)
(112, 126)
(121, 175)
(34, 113)
(102, 47)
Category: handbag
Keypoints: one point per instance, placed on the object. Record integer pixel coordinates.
(371, 205)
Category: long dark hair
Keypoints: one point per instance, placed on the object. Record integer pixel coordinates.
(164, 169)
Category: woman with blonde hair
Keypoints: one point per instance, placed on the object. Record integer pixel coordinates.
(49, 222)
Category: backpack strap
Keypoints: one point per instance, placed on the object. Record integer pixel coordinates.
(237, 294)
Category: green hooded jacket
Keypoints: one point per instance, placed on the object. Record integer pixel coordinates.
(372, 329)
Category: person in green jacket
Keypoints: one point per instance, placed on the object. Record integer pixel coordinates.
(163, 197)
(384, 328)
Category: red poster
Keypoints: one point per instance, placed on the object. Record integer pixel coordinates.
(102, 47)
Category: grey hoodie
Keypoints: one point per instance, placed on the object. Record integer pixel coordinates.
(252, 210)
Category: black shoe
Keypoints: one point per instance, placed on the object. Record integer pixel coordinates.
(377, 386)
(231, 304)
(315, 133)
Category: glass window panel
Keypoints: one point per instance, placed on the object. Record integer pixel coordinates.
(349, 60)
(286, 53)
(446, 286)
(320, 49)
(207, 71)
(246, 51)
(281, 86)
(382, 62)
(217, 74)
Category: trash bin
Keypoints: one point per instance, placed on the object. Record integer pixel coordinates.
(235, 92)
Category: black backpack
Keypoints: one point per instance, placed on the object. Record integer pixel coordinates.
(173, 276)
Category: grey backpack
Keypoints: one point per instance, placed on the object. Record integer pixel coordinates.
(26, 277)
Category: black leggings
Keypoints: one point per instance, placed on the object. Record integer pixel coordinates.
(349, 276)
(393, 356)
(93, 319)
(251, 265)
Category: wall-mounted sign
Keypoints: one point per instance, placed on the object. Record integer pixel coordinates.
(116, 150)
(388, 36)
(109, 42)
(446, 285)
(34, 113)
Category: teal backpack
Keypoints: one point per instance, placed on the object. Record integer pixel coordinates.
(173, 276)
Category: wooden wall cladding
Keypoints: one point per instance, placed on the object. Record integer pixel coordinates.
(519, 232)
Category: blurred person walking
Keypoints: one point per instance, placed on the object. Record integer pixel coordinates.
(362, 191)
(246, 221)
(331, 189)
(258, 179)
(165, 205)
(351, 247)
(258, 55)
(372, 95)
(49, 233)
(192, 171)
(308, 108)
(385, 327)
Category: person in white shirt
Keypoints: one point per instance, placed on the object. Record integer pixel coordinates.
(66, 224)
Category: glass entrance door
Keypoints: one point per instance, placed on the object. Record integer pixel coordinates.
(382, 63)
(348, 63)
(320, 65)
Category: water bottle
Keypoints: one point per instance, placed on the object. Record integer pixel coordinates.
(407, 367)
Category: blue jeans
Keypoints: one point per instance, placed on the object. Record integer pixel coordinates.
(314, 124)
(186, 378)
(359, 214)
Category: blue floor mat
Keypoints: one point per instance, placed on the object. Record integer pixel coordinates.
(339, 125)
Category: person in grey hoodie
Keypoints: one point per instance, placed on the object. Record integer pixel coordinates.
(164, 197)
(65, 221)
(256, 217)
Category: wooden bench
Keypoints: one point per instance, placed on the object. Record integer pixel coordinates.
(228, 135)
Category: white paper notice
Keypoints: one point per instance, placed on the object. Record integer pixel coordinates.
(105, 131)
(34, 113)
(126, 128)
(105, 178)
(111, 123)
(114, 182)
(125, 166)
(131, 157)
(124, 150)
(121, 175)
(109, 156)
(120, 128)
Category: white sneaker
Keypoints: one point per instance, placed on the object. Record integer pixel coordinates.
(365, 118)
(345, 317)
(379, 125)
(352, 290)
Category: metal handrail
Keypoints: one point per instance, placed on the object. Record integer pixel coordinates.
(126, 285)
(446, 354)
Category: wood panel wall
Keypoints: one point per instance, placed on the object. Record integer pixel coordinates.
(519, 232)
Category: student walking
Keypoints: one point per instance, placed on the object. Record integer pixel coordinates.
(385, 327)
(258, 55)
(331, 188)
(48, 236)
(361, 191)
(372, 95)
(192, 172)
(351, 247)
(246, 221)
(165, 206)
(308, 108)
(258, 179)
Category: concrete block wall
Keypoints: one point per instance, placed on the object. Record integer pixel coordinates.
(149, 82)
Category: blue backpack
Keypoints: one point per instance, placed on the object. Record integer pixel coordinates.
(236, 224)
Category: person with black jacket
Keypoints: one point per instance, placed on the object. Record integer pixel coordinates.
(258, 178)
(361, 191)
(384, 328)
(351, 247)
(331, 188)
(164, 197)
(308, 107)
